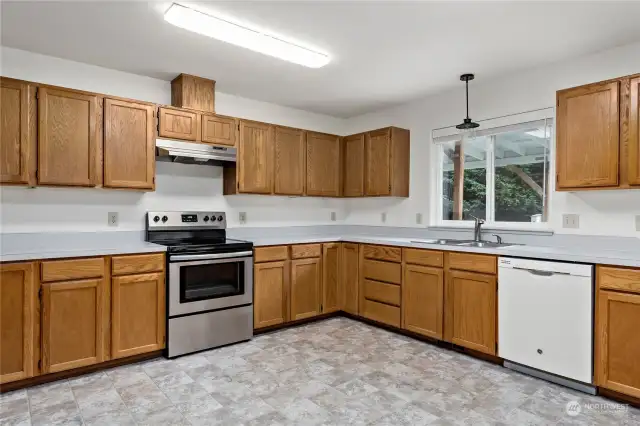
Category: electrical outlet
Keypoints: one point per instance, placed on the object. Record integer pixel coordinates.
(333, 216)
(383, 217)
(571, 221)
(638, 223)
(418, 218)
(112, 218)
(242, 217)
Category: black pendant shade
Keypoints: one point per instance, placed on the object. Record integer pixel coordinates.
(467, 123)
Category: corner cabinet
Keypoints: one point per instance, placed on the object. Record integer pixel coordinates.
(350, 280)
(330, 277)
(323, 165)
(129, 145)
(18, 321)
(353, 182)
(68, 136)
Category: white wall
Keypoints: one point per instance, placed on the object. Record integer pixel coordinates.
(178, 187)
(601, 212)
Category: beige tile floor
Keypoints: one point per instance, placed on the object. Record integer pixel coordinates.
(334, 372)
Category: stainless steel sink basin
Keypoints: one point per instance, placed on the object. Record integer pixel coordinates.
(439, 241)
(484, 244)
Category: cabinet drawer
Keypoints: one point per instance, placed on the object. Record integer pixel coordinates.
(302, 251)
(391, 254)
(72, 269)
(382, 292)
(382, 271)
(424, 257)
(269, 254)
(125, 265)
(618, 279)
(472, 262)
(380, 312)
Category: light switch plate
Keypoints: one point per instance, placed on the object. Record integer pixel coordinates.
(638, 223)
(383, 217)
(571, 221)
(418, 218)
(112, 218)
(333, 216)
(242, 217)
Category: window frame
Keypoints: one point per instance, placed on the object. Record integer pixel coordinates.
(437, 154)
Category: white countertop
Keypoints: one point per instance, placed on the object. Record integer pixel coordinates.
(571, 254)
(51, 245)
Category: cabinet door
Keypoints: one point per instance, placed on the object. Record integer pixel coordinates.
(17, 130)
(219, 130)
(289, 161)
(353, 166)
(634, 132)
(255, 157)
(330, 277)
(470, 302)
(588, 136)
(67, 138)
(306, 276)
(17, 321)
(137, 314)
(378, 163)
(129, 145)
(423, 300)
(72, 325)
(271, 293)
(350, 277)
(323, 165)
(618, 342)
(177, 124)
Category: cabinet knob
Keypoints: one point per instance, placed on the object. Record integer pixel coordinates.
(540, 351)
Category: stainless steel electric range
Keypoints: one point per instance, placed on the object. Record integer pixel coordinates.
(209, 281)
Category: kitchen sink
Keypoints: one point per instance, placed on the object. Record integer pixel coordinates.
(439, 241)
(484, 244)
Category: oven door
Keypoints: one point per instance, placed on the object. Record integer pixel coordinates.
(203, 282)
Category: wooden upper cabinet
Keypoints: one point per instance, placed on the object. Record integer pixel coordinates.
(588, 136)
(72, 324)
(255, 158)
(17, 321)
(177, 124)
(18, 130)
(129, 145)
(634, 132)
(323, 165)
(353, 185)
(271, 291)
(350, 283)
(330, 277)
(423, 300)
(289, 156)
(219, 130)
(378, 163)
(137, 314)
(68, 137)
(190, 91)
(618, 342)
(306, 277)
(470, 305)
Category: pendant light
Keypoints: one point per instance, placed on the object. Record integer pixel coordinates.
(467, 124)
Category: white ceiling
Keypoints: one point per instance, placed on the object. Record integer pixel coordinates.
(384, 53)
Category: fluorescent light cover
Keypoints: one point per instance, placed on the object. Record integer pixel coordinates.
(249, 38)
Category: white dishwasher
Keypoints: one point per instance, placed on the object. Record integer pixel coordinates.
(545, 320)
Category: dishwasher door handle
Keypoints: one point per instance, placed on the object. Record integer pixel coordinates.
(541, 273)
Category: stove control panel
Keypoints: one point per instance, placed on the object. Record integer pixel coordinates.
(173, 220)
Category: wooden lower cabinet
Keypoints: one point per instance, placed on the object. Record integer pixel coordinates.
(470, 313)
(72, 324)
(17, 321)
(423, 300)
(330, 277)
(271, 290)
(137, 314)
(306, 277)
(350, 277)
(618, 342)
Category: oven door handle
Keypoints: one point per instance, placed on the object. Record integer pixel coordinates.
(211, 256)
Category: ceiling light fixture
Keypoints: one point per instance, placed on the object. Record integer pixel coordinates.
(249, 38)
(467, 124)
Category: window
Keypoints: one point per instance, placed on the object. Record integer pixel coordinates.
(497, 173)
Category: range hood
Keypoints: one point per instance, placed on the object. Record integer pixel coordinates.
(194, 153)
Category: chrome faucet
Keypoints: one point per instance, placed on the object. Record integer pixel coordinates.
(477, 231)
